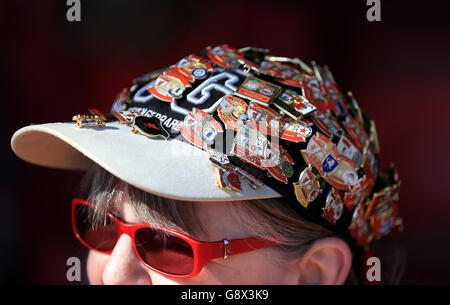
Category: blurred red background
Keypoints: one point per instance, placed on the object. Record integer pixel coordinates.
(51, 69)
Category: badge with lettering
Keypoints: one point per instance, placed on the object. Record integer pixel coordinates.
(232, 109)
(336, 169)
(224, 56)
(252, 147)
(264, 119)
(199, 128)
(258, 91)
(293, 104)
(294, 131)
(308, 186)
(150, 127)
(359, 227)
(312, 88)
(193, 67)
(285, 169)
(169, 86)
(334, 208)
(355, 131)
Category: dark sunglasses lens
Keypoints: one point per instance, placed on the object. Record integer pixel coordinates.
(99, 236)
(165, 252)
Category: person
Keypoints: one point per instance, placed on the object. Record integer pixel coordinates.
(257, 170)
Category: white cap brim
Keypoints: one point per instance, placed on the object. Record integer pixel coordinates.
(171, 169)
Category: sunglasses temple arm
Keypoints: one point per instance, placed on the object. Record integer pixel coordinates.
(238, 246)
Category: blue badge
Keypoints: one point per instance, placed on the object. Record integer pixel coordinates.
(329, 164)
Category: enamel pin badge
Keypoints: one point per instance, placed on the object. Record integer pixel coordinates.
(264, 119)
(294, 131)
(334, 208)
(252, 147)
(169, 86)
(307, 189)
(199, 128)
(150, 127)
(232, 109)
(285, 169)
(227, 176)
(224, 56)
(359, 227)
(293, 104)
(336, 169)
(126, 116)
(193, 67)
(258, 91)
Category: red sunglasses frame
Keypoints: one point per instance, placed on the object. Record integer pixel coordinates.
(203, 252)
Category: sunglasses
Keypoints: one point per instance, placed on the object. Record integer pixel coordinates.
(165, 251)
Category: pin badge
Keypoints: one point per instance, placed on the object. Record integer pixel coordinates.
(307, 189)
(224, 56)
(293, 104)
(252, 180)
(252, 147)
(169, 86)
(355, 131)
(278, 69)
(258, 91)
(264, 119)
(285, 169)
(81, 119)
(359, 227)
(346, 147)
(334, 208)
(336, 169)
(228, 178)
(359, 191)
(150, 127)
(385, 220)
(336, 101)
(121, 101)
(126, 116)
(199, 128)
(232, 109)
(193, 67)
(326, 122)
(294, 131)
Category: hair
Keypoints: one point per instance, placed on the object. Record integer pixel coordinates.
(270, 219)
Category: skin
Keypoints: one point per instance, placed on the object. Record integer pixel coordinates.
(328, 261)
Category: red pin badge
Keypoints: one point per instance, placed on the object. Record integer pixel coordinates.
(294, 131)
(193, 67)
(231, 111)
(200, 128)
(224, 56)
(264, 119)
(336, 169)
(307, 189)
(169, 86)
(334, 207)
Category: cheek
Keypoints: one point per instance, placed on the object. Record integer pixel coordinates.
(95, 265)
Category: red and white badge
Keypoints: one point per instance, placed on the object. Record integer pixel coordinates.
(293, 104)
(334, 208)
(359, 227)
(264, 119)
(193, 67)
(294, 131)
(326, 122)
(355, 131)
(336, 169)
(169, 86)
(224, 56)
(346, 147)
(359, 191)
(200, 128)
(307, 189)
(228, 178)
(231, 111)
(252, 147)
(278, 69)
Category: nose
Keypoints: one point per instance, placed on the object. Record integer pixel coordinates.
(123, 267)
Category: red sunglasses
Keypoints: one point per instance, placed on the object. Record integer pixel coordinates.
(165, 251)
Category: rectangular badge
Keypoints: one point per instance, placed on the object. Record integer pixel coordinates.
(258, 91)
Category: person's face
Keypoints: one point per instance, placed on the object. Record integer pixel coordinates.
(255, 267)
